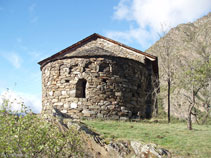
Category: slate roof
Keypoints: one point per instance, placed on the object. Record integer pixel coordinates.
(93, 50)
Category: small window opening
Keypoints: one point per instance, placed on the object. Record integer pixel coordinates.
(139, 86)
(81, 88)
(60, 68)
(70, 70)
(67, 81)
(104, 80)
(104, 67)
(86, 66)
(139, 89)
(134, 114)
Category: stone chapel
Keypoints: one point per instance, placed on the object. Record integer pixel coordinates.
(98, 77)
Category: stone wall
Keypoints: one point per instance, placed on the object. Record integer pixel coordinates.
(97, 87)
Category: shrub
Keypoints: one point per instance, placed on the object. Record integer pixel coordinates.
(27, 135)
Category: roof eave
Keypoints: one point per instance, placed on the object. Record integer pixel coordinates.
(94, 37)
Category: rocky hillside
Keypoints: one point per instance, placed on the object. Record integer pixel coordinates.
(184, 43)
(96, 147)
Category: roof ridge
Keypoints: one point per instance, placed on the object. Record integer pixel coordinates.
(94, 36)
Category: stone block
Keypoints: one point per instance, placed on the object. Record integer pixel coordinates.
(64, 111)
(129, 105)
(114, 117)
(66, 106)
(59, 104)
(73, 105)
(54, 100)
(118, 94)
(111, 107)
(85, 111)
(124, 118)
(133, 102)
(103, 107)
(50, 93)
(99, 115)
(72, 93)
(57, 93)
(94, 107)
(64, 92)
(122, 108)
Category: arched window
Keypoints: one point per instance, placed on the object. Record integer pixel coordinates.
(86, 66)
(103, 67)
(61, 69)
(71, 68)
(81, 88)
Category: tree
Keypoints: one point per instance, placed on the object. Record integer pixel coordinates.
(196, 82)
(197, 77)
(168, 64)
(204, 95)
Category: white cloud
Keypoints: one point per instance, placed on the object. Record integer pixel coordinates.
(34, 54)
(32, 12)
(34, 19)
(32, 7)
(13, 58)
(32, 101)
(19, 40)
(150, 14)
(123, 10)
(17, 98)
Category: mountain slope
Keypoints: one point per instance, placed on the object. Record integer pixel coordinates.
(185, 43)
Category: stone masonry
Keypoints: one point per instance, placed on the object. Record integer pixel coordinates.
(98, 78)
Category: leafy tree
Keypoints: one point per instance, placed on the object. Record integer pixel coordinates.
(196, 82)
(204, 96)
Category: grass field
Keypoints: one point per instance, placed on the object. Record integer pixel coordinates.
(175, 137)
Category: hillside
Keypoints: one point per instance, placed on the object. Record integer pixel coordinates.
(181, 142)
(185, 43)
(187, 39)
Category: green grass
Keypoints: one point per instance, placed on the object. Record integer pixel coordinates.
(175, 137)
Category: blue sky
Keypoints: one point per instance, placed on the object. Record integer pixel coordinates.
(31, 30)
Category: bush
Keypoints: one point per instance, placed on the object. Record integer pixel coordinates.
(27, 135)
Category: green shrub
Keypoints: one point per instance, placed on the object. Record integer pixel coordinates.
(27, 135)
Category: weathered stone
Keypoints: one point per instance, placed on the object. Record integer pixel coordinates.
(66, 106)
(54, 100)
(123, 118)
(72, 93)
(64, 111)
(111, 107)
(94, 107)
(136, 146)
(59, 103)
(107, 83)
(100, 115)
(57, 93)
(64, 92)
(114, 117)
(118, 94)
(122, 108)
(73, 105)
(85, 111)
(51, 93)
(88, 113)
